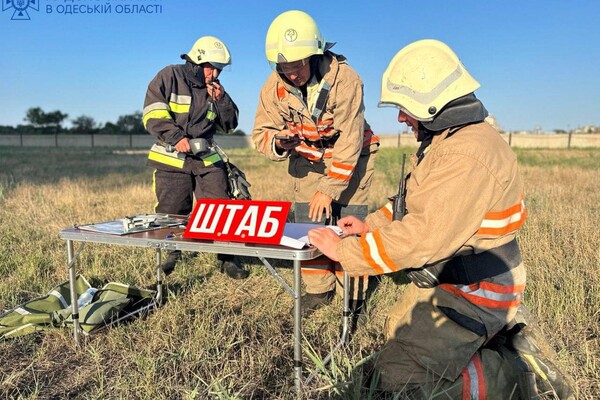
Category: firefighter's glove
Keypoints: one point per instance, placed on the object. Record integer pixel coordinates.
(286, 140)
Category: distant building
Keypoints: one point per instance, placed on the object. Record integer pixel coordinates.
(587, 129)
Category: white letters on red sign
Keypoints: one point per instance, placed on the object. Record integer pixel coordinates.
(238, 221)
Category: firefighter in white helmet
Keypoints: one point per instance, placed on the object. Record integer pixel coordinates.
(453, 232)
(311, 113)
(185, 105)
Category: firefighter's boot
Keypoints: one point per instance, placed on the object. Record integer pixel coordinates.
(532, 349)
(230, 266)
(311, 302)
(168, 266)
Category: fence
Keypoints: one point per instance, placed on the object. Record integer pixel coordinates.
(558, 141)
(119, 141)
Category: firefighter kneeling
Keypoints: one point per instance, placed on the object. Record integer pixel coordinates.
(459, 327)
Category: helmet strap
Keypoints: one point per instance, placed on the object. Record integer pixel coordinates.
(198, 72)
(315, 67)
(424, 136)
(195, 73)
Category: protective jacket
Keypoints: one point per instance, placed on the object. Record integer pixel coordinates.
(177, 106)
(338, 134)
(464, 196)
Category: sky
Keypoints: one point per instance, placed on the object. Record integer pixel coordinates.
(538, 62)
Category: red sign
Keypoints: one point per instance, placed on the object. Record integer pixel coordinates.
(247, 221)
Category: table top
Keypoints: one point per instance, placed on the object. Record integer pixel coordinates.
(170, 238)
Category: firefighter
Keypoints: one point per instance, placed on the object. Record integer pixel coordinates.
(185, 105)
(455, 239)
(311, 112)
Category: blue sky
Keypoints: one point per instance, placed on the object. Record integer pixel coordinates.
(538, 62)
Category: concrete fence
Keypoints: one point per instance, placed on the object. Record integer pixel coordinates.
(119, 141)
(558, 141)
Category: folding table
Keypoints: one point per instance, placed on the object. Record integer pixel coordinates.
(169, 239)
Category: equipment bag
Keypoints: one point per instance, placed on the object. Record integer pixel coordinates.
(238, 187)
(112, 303)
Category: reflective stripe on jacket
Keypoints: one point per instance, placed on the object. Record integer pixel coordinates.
(465, 196)
(340, 133)
(176, 106)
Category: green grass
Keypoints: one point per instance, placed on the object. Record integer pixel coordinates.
(579, 158)
(223, 339)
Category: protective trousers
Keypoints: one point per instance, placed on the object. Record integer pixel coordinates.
(430, 350)
(321, 274)
(490, 374)
(175, 190)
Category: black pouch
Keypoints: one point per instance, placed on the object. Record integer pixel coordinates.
(238, 187)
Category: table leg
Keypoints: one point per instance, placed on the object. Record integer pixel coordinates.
(159, 297)
(346, 324)
(73, 289)
(347, 313)
(297, 329)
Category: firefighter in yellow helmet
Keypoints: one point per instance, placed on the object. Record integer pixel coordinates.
(184, 107)
(459, 328)
(311, 112)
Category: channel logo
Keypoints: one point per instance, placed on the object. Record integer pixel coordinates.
(20, 8)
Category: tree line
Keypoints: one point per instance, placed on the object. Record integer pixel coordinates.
(39, 122)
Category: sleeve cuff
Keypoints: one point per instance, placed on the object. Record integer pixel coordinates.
(329, 191)
(173, 140)
(344, 251)
(276, 151)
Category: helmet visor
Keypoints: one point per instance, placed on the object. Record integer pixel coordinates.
(220, 66)
(386, 104)
(289, 67)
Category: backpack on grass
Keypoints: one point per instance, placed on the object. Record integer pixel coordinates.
(114, 302)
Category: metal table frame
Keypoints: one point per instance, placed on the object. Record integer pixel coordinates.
(158, 240)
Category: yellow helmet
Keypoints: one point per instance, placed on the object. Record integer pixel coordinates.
(211, 50)
(293, 36)
(423, 77)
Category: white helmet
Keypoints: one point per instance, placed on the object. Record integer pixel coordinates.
(424, 77)
(293, 36)
(209, 49)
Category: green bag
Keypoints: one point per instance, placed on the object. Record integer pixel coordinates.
(112, 303)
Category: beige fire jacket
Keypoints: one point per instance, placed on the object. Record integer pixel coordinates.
(464, 196)
(340, 134)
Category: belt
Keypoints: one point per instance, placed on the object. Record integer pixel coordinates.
(468, 269)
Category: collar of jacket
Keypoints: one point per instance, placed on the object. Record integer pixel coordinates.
(457, 114)
(433, 141)
(430, 139)
(190, 75)
(449, 132)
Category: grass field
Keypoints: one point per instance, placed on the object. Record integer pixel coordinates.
(225, 339)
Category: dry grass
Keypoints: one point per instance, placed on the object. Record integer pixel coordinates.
(219, 338)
